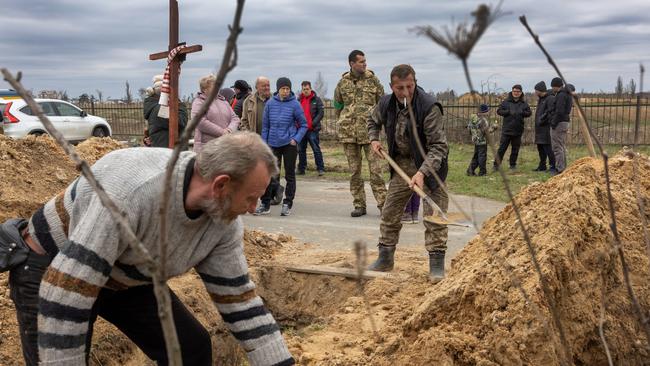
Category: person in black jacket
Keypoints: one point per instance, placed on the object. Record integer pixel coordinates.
(242, 90)
(543, 114)
(560, 123)
(314, 110)
(158, 127)
(513, 110)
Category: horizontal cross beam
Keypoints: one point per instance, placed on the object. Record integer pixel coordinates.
(188, 49)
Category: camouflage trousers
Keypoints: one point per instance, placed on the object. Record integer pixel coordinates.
(399, 193)
(354, 154)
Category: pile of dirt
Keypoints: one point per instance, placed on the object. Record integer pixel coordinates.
(95, 147)
(478, 317)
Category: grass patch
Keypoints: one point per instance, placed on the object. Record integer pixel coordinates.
(489, 186)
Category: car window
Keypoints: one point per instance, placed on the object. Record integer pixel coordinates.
(67, 110)
(46, 107)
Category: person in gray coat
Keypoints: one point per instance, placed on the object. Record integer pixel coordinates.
(543, 114)
(560, 123)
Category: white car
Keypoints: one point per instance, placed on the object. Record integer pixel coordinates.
(75, 124)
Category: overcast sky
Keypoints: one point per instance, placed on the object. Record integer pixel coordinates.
(84, 46)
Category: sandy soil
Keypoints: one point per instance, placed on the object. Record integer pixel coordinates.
(476, 316)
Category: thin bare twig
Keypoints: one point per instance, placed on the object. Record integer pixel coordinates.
(360, 252)
(461, 45)
(635, 166)
(601, 324)
(228, 62)
(462, 41)
(585, 128)
(616, 244)
(162, 294)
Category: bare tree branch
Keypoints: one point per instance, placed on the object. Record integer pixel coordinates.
(228, 62)
(360, 252)
(462, 41)
(161, 293)
(641, 317)
(601, 324)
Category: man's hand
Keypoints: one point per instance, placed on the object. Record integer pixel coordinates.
(376, 148)
(293, 142)
(418, 180)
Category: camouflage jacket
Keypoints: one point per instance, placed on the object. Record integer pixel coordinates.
(354, 98)
(478, 128)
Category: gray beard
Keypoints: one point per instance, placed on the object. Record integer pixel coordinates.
(218, 210)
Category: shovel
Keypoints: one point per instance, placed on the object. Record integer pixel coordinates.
(438, 217)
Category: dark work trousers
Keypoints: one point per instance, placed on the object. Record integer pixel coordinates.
(288, 153)
(313, 140)
(479, 160)
(133, 311)
(515, 144)
(546, 152)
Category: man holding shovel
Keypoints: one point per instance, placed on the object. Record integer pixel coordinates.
(392, 112)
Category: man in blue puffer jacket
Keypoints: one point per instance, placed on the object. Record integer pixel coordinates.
(283, 126)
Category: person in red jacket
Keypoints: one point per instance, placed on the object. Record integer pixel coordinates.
(314, 110)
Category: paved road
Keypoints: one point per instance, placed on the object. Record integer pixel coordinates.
(321, 215)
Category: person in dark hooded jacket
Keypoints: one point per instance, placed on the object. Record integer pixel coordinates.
(158, 127)
(513, 110)
(543, 115)
(560, 122)
(242, 91)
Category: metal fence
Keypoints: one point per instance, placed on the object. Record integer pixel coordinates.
(611, 118)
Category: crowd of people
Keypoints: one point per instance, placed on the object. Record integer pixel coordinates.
(69, 262)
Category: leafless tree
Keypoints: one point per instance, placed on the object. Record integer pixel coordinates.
(320, 85)
(128, 98)
(100, 95)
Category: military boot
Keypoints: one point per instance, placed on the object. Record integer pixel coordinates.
(436, 266)
(358, 211)
(385, 261)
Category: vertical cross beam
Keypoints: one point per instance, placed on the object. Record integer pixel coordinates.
(174, 68)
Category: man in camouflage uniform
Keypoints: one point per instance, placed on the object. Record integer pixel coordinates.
(355, 95)
(392, 113)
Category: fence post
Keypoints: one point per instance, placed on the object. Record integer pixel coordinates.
(92, 105)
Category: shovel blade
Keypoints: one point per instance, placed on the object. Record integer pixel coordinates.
(450, 220)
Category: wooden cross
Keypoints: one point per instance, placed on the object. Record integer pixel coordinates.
(174, 68)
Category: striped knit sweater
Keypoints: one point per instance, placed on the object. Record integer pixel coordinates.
(89, 253)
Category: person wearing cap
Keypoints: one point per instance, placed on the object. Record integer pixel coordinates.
(479, 126)
(560, 123)
(543, 114)
(283, 127)
(513, 110)
(158, 127)
(217, 121)
(242, 91)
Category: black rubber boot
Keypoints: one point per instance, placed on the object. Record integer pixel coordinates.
(436, 266)
(358, 211)
(385, 261)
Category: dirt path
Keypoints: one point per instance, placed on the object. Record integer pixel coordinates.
(321, 214)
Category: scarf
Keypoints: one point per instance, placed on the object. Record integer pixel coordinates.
(164, 90)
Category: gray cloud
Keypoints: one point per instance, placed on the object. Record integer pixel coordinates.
(81, 46)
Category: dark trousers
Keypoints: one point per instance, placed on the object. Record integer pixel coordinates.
(288, 154)
(133, 311)
(479, 160)
(515, 144)
(311, 138)
(546, 151)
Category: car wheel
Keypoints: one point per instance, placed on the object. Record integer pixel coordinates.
(37, 133)
(99, 132)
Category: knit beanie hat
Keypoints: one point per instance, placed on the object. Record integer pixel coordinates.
(541, 87)
(242, 85)
(483, 108)
(557, 82)
(571, 87)
(283, 81)
(517, 86)
(227, 94)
